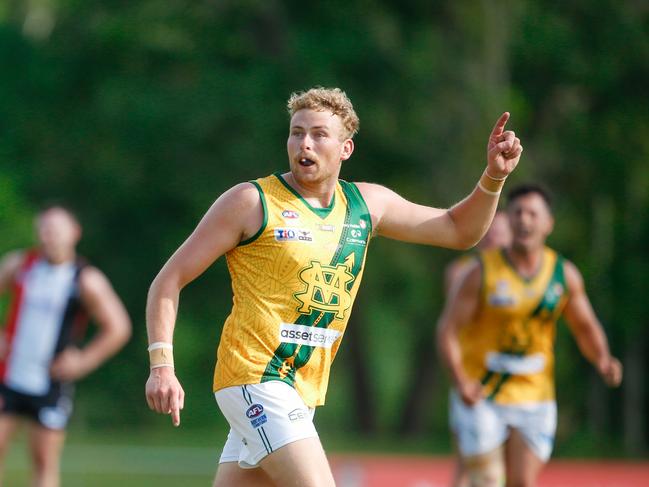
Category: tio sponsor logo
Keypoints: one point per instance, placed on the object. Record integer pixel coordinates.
(255, 411)
(292, 235)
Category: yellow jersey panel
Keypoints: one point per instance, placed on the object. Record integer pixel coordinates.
(294, 285)
(509, 347)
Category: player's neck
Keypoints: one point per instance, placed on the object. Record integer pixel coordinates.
(318, 194)
(527, 262)
(60, 259)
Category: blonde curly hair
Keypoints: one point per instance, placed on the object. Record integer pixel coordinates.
(333, 99)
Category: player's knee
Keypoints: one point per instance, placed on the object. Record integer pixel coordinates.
(4, 446)
(45, 459)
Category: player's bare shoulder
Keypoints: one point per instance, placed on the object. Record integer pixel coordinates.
(574, 279)
(377, 198)
(243, 196)
(374, 194)
(471, 277)
(238, 211)
(92, 280)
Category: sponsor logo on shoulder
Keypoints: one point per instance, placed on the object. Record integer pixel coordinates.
(293, 235)
(255, 414)
(361, 224)
(290, 215)
(357, 233)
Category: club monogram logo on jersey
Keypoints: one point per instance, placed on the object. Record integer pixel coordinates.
(326, 289)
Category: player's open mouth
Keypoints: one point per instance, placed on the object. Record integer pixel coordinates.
(306, 162)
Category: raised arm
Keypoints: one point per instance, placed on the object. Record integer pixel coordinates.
(464, 224)
(109, 314)
(9, 265)
(461, 306)
(587, 329)
(235, 216)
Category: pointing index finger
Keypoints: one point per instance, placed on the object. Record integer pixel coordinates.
(175, 411)
(500, 125)
(175, 416)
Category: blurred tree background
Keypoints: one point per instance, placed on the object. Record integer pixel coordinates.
(139, 114)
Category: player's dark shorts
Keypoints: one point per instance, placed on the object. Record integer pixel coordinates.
(52, 410)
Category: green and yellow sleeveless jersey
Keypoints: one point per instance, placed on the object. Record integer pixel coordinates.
(294, 284)
(509, 347)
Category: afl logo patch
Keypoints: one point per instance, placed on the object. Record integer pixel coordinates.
(256, 415)
(255, 411)
(290, 214)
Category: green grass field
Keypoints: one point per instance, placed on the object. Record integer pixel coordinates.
(128, 459)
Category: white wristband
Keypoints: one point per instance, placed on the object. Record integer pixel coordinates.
(493, 178)
(161, 365)
(485, 190)
(157, 345)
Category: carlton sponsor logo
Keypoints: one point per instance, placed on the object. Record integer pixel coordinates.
(255, 411)
(307, 335)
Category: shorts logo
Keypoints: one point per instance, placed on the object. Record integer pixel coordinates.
(290, 214)
(298, 415)
(255, 414)
(293, 235)
(255, 411)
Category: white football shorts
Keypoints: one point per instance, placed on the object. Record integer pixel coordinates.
(485, 426)
(262, 417)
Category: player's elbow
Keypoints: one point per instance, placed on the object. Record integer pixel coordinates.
(443, 337)
(120, 331)
(465, 233)
(464, 242)
(125, 332)
(468, 244)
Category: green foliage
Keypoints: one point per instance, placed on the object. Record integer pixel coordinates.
(139, 114)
